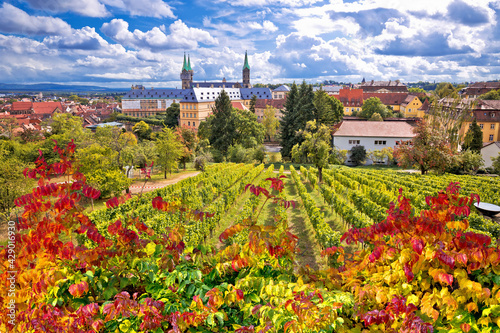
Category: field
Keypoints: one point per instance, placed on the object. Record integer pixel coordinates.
(348, 197)
(250, 248)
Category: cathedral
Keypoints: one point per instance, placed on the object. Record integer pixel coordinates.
(196, 99)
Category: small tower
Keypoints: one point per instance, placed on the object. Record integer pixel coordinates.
(246, 73)
(186, 74)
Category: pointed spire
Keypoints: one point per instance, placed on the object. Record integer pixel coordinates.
(189, 63)
(246, 61)
(184, 66)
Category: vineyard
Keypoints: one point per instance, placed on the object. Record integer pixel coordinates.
(247, 248)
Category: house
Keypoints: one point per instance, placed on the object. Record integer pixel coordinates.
(487, 114)
(384, 86)
(489, 150)
(281, 92)
(352, 99)
(262, 104)
(411, 107)
(42, 110)
(373, 135)
(479, 88)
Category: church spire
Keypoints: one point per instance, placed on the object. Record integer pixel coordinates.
(189, 63)
(246, 62)
(184, 66)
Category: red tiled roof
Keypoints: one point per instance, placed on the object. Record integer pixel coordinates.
(388, 98)
(46, 107)
(425, 106)
(275, 103)
(375, 129)
(21, 106)
(238, 105)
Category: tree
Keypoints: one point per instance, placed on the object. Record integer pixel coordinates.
(8, 126)
(12, 182)
(496, 164)
(222, 123)
(338, 156)
(99, 165)
(172, 115)
(305, 109)
(428, 150)
(445, 89)
(316, 146)
(381, 156)
(376, 117)
(357, 155)
(287, 122)
(473, 138)
(138, 155)
(467, 162)
(270, 122)
(253, 101)
(248, 131)
(328, 109)
(189, 140)
(374, 105)
(491, 95)
(169, 149)
(142, 130)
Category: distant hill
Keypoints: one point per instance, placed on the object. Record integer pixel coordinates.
(51, 87)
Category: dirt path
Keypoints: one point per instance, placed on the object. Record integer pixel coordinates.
(136, 187)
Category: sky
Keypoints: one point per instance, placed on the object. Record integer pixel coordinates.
(119, 43)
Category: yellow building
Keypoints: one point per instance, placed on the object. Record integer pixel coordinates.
(487, 114)
(411, 107)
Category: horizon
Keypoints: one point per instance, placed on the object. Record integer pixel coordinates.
(116, 44)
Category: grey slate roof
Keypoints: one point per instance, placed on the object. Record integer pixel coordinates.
(282, 88)
(261, 93)
(166, 93)
(209, 94)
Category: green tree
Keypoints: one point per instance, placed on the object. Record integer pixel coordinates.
(222, 124)
(270, 122)
(328, 109)
(287, 122)
(12, 182)
(374, 105)
(139, 155)
(467, 162)
(99, 165)
(381, 156)
(338, 156)
(316, 146)
(496, 164)
(428, 150)
(248, 131)
(376, 117)
(67, 126)
(8, 127)
(491, 95)
(189, 141)
(445, 89)
(253, 101)
(169, 149)
(305, 108)
(357, 155)
(473, 138)
(172, 115)
(142, 130)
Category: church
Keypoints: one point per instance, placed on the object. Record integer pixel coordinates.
(196, 99)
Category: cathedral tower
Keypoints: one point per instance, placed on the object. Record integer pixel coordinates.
(246, 73)
(186, 73)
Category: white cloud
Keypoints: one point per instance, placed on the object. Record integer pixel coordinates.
(150, 8)
(181, 36)
(261, 3)
(17, 21)
(84, 39)
(92, 8)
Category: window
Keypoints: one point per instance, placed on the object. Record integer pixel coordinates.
(380, 142)
(481, 125)
(189, 123)
(492, 126)
(183, 115)
(491, 137)
(194, 106)
(193, 123)
(354, 142)
(409, 110)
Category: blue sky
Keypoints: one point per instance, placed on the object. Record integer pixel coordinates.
(117, 43)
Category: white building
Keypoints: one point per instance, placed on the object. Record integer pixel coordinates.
(373, 135)
(489, 150)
